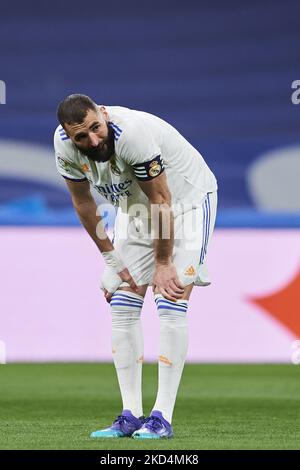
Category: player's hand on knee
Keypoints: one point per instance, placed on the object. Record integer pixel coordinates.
(107, 295)
(110, 282)
(167, 283)
(126, 277)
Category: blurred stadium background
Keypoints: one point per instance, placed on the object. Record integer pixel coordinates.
(221, 73)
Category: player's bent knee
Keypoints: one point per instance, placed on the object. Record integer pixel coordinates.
(169, 308)
(185, 296)
(141, 290)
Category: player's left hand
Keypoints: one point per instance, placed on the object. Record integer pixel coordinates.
(167, 283)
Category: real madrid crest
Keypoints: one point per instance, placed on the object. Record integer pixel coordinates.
(154, 169)
(85, 168)
(115, 170)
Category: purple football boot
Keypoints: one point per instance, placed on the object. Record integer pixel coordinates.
(154, 427)
(123, 426)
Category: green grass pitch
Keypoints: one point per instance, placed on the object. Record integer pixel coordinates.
(56, 406)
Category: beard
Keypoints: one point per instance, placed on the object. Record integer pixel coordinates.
(104, 151)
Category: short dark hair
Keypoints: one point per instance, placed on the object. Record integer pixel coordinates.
(74, 108)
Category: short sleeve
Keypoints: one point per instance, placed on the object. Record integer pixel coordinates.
(65, 158)
(139, 149)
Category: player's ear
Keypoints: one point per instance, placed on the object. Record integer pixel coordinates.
(66, 129)
(104, 112)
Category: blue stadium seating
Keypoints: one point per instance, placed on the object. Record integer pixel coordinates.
(220, 72)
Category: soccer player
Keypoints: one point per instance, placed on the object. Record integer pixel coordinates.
(162, 188)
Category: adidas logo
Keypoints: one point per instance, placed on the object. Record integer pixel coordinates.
(190, 271)
(165, 360)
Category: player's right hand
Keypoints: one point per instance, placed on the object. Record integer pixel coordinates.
(126, 277)
(110, 282)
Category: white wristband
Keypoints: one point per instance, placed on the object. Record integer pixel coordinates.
(112, 259)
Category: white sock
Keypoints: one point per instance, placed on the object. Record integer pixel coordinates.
(173, 342)
(127, 348)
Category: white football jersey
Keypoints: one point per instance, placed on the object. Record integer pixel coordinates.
(145, 146)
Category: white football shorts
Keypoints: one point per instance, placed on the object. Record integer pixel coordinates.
(192, 232)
